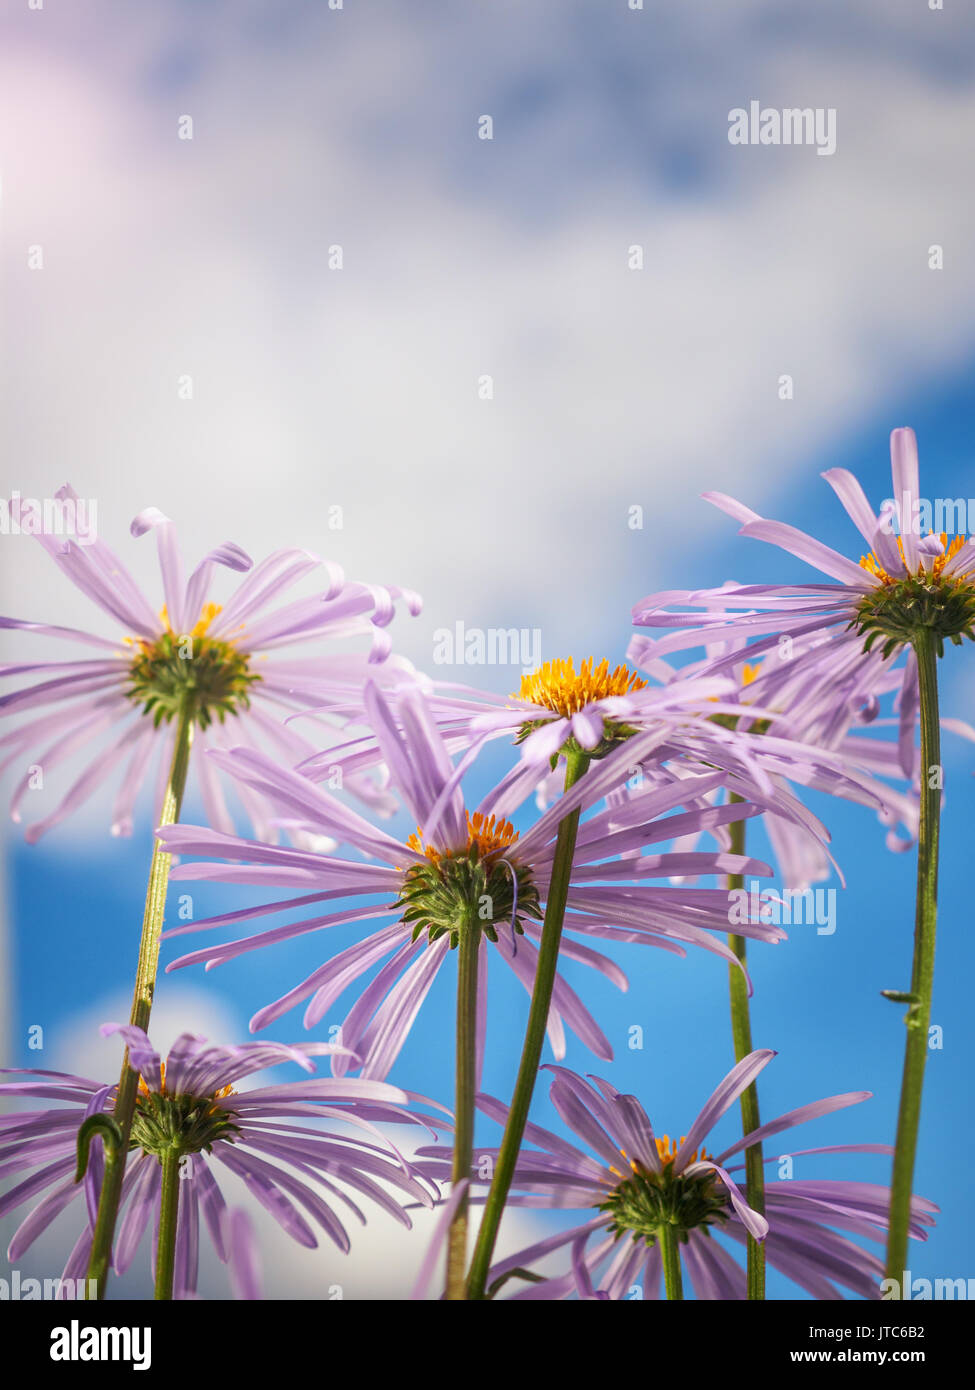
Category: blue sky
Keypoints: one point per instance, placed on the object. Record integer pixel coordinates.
(612, 388)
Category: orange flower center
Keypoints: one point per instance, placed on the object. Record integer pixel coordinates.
(667, 1151)
(144, 1089)
(486, 834)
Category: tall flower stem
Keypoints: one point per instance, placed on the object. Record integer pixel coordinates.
(669, 1242)
(918, 1017)
(168, 1218)
(741, 1033)
(145, 985)
(576, 763)
(465, 1085)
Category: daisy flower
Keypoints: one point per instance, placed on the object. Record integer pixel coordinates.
(192, 654)
(461, 870)
(868, 613)
(714, 721)
(639, 1193)
(272, 1138)
(555, 708)
(845, 729)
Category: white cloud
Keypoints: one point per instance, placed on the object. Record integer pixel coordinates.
(76, 1045)
(383, 1263)
(359, 387)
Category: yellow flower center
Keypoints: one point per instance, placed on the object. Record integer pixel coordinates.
(207, 614)
(200, 628)
(872, 565)
(208, 676)
(557, 686)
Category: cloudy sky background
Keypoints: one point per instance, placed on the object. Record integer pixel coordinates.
(613, 388)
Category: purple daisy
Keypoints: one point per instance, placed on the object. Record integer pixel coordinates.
(193, 653)
(782, 684)
(842, 632)
(713, 720)
(271, 1138)
(431, 884)
(635, 1185)
(846, 732)
(593, 709)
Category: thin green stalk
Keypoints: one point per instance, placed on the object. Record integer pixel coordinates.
(464, 1090)
(918, 1017)
(145, 984)
(669, 1242)
(548, 959)
(168, 1218)
(741, 1033)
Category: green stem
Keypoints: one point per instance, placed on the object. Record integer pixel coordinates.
(918, 1017)
(145, 984)
(548, 959)
(741, 1033)
(669, 1243)
(464, 1089)
(168, 1217)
